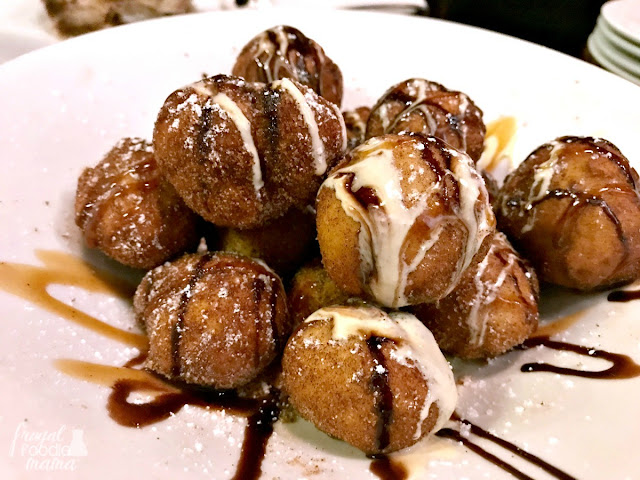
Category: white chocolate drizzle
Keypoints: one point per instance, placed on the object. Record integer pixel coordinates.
(266, 47)
(479, 223)
(343, 127)
(486, 293)
(384, 229)
(244, 127)
(272, 66)
(414, 347)
(382, 240)
(542, 175)
(317, 146)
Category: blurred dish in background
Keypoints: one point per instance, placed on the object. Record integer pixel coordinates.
(26, 25)
(23, 27)
(72, 17)
(14, 44)
(615, 42)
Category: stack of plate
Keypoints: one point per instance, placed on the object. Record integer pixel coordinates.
(615, 41)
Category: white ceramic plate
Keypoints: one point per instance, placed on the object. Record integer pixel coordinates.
(624, 17)
(62, 107)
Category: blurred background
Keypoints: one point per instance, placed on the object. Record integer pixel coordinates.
(563, 25)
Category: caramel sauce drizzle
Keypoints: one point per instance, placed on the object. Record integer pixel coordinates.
(498, 144)
(503, 130)
(31, 282)
(560, 325)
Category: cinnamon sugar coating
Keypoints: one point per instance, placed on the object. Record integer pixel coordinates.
(375, 380)
(127, 210)
(241, 154)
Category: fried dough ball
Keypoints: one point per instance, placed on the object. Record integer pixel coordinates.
(241, 154)
(356, 123)
(401, 218)
(284, 243)
(285, 52)
(421, 106)
(375, 380)
(213, 319)
(312, 289)
(127, 210)
(573, 209)
(493, 308)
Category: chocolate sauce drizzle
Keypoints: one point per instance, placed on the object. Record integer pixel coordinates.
(30, 283)
(178, 327)
(259, 288)
(256, 436)
(382, 392)
(204, 147)
(261, 413)
(623, 296)
(434, 115)
(583, 199)
(510, 447)
(440, 167)
(622, 367)
(386, 469)
(366, 196)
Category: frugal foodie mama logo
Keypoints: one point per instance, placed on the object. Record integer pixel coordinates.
(48, 451)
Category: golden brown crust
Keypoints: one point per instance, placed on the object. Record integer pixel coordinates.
(421, 106)
(215, 319)
(573, 209)
(285, 52)
(127, 210)
(241, 154)
(493, 308)
(312, 289)
(284, 243)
